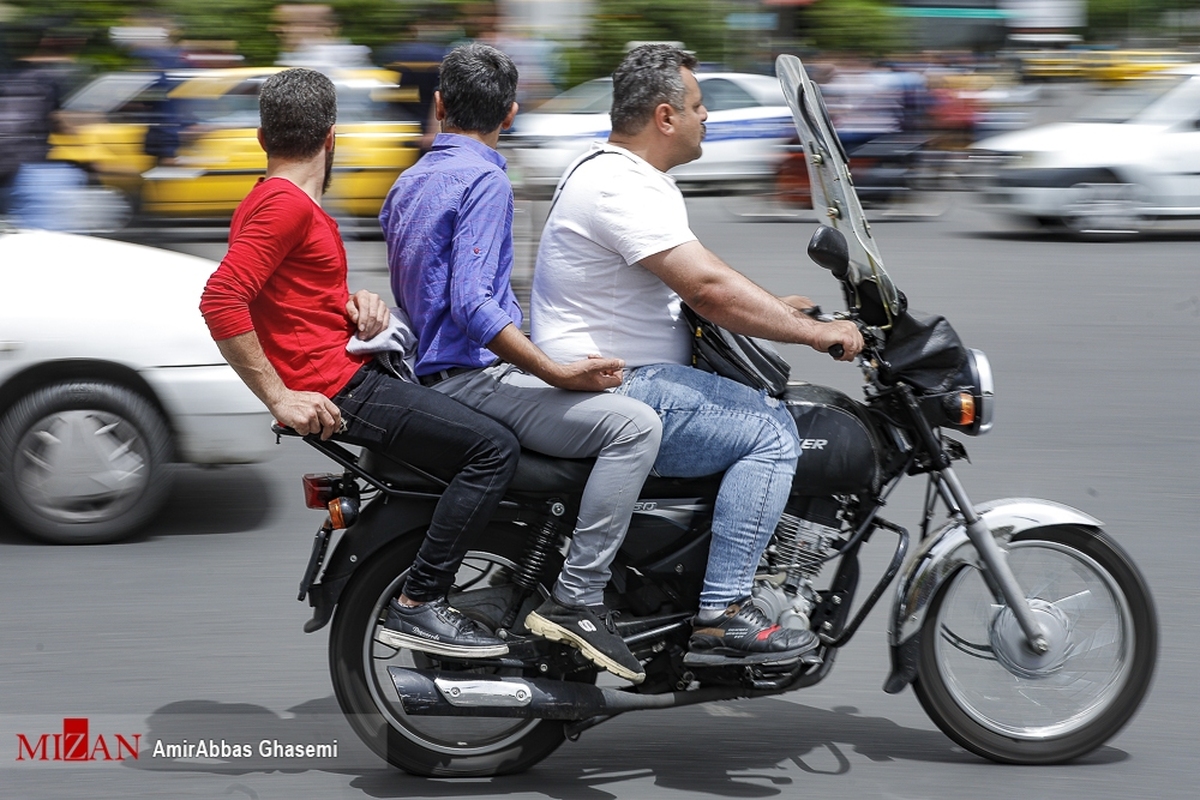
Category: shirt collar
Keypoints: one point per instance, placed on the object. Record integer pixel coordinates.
(456, 141)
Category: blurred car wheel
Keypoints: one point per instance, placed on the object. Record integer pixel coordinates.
(1105, 210)
(83, 462)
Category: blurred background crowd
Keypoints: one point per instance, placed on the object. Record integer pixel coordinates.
(116, 110)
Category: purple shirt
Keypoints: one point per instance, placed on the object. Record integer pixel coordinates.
(448, 225)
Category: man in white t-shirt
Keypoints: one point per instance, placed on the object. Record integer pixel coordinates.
(616, 261)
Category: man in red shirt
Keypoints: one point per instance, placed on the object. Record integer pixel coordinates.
(280, 311)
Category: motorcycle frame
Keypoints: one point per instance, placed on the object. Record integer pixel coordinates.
(976, 537)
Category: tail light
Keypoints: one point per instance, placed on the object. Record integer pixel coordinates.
(320, 489)
(333, 493)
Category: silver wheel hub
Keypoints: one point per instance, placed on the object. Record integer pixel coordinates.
(1012, 649)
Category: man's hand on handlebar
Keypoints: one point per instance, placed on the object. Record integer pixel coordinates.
(840, 338)
(308, 413)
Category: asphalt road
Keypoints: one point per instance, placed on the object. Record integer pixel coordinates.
(192, 631)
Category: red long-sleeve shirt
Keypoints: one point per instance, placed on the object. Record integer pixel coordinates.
(284, 278)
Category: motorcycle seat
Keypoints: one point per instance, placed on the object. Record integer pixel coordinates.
(537, 475)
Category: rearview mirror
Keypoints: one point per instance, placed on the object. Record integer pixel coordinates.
(827, 247)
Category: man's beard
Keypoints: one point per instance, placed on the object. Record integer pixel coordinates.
(328, 170)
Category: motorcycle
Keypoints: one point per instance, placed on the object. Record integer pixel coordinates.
(1026, 632)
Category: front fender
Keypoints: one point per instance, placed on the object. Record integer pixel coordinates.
(943, 553)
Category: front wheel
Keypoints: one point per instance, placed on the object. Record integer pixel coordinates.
(988, 691)
(427, 745)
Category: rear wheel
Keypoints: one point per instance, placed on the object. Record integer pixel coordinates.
(428, 745)
(987, 690)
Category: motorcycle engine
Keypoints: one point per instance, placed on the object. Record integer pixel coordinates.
(783, 587)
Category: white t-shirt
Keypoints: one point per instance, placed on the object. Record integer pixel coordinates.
(590, 294)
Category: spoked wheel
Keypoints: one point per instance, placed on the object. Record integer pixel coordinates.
(987, 690)
(427, 745)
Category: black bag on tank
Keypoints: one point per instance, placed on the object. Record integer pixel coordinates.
(745, 359)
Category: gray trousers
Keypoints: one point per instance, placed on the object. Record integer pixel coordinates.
(620, 432)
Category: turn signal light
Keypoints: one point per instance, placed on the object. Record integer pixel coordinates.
(960, 408)
(966, 410)
(343, 512)
(318, 489)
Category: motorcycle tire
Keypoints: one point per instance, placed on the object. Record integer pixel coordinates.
(425, 745)
(982, 685)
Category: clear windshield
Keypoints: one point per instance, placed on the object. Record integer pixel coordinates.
(833, 195)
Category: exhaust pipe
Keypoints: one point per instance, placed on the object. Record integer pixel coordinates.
(464, 694)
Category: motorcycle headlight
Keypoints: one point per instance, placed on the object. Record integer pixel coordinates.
(970, 409)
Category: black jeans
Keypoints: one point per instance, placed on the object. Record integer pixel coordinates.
(444, 437)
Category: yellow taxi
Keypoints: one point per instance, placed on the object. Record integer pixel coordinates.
(217, 158)
(1114, 66)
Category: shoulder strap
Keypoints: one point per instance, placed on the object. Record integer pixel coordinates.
(558, 190)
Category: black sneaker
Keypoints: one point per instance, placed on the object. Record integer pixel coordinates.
(590, 629)
(744, 635)
(438, 628)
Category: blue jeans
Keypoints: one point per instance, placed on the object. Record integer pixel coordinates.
(710, 425)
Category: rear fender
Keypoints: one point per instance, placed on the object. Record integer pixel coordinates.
(942, 554)
(381, 522)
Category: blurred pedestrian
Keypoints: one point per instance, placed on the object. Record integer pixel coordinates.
(33, 190)
(417, 59)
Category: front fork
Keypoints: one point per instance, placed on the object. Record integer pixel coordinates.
(997, 573)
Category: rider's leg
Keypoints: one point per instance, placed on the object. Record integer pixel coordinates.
(478, 457)
(712, 425)
(623, 435)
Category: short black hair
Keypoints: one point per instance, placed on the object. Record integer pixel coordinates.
(647, 77)
(296, 107)
(478, 85)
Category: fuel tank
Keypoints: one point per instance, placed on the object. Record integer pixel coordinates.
(839, 448)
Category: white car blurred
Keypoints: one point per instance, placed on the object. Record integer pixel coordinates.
(107, 376)
(748, 125)
(1128, 161)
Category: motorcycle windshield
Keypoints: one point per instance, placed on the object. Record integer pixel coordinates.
(833, 195)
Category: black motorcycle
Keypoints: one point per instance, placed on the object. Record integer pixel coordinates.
(1026, 632)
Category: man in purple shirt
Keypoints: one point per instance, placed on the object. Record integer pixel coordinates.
(448, 224)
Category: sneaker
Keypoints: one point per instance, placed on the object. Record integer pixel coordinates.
(590, 629)
(744, 635)
(437, 627)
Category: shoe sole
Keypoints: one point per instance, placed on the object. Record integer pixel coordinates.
(694, 658)
(401, 640)
(543, 627)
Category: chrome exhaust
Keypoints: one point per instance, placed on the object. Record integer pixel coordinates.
(465, 694)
